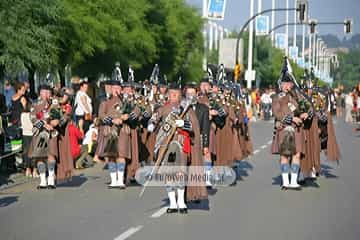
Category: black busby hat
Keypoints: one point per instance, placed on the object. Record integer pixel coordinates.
(174, 86)
(44, 87)
(191, 85)
(163, 81)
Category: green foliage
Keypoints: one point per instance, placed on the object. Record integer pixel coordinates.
(91, 35)
(348, 72)
(268, 62)
(28, 36)
(213, 57)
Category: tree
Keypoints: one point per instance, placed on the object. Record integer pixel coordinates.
(179, 42)
(28, 37)
(348, 72)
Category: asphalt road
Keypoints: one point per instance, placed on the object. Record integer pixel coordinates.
(255, 208)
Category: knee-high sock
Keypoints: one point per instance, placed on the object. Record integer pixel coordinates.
(181, 198)
(208, 172)
(120, 173)
(172, 198)
(285, 168)
(112, 171)
(51, 169)
(42, 172)
(294, 174)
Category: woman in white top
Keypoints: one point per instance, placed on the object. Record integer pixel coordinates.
(348, 107)
(27, 134)
(83, 107)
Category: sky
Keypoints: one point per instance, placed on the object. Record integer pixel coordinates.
(238, 11)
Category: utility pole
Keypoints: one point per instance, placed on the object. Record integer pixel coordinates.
(310, 51)
(303, 42)
(204, 15)
(211, 36)
(273, 22)
(216, 42)
(249, 77)
(287, 29)
(313, 50)
(295, 20)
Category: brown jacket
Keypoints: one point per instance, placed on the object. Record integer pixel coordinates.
(284, 105)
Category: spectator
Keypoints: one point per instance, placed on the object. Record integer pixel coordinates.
(79, 154)
(266, 104)
(18, 103)
(348, 107)
(3, 110)
(83, 107)
(30, 97)
(90, 139)
(338, 99)
(27, 134)
(9, 93)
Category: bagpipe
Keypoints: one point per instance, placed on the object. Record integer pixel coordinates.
(165, 136)
(52, 111)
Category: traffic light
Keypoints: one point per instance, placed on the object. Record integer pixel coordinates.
(312, 25)
(237, 72)
(347, 26)
(302, 10)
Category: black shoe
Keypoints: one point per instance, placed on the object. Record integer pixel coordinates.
(295, 188)
(51, 187)
(41, 187)
(171, 210)
(302, 182)
(183, 210)
(284, 188)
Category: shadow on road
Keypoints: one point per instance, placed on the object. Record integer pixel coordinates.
(242, 169)
(76, 181)
(326, 171)
(6, 201)
(277, 180)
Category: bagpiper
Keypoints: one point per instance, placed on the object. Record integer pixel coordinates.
(288, 140)
(48, 146)
(119, 117)
(179, 149)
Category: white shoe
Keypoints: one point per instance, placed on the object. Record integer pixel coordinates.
(51, 178)
(181, 199)
(285, 180)
(208, 176)
(172, 199)
(294, 184)
(43, 182)
(120, 179)
(313, 174)
(113, 183)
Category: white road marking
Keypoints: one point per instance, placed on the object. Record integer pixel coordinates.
(159, 213)
(269, 142)
(263, 146)
(128, 233)
(256, 151)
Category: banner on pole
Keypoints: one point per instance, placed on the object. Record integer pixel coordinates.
(301, 62)
(262, 25)
(281, 40)
(293, 52)
(216, 9)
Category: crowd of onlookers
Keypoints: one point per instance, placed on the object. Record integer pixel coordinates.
(15, 112)
(259, 102)
(350, 105)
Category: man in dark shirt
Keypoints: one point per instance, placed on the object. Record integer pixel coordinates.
(202, 114)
